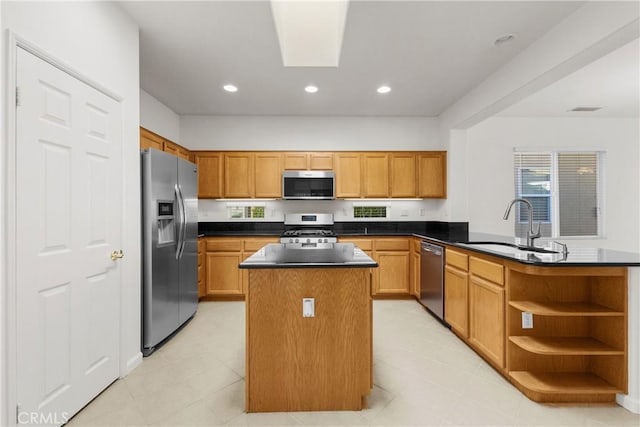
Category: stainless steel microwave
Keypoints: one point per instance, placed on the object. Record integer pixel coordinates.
(308, 185)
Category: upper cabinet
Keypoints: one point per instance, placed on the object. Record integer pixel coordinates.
(432, 174)
(308, 160)
(365, 174)
(375, 178)
(149, 139)
(209, 174)
(348, 174)
(402, 175)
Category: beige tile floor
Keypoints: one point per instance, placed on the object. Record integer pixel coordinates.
(423, 375)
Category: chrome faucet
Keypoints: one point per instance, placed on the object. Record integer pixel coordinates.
(531, 235)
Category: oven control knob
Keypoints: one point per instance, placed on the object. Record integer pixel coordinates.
(297, 240)
(326, 241)
(308, 240)
(290, 240)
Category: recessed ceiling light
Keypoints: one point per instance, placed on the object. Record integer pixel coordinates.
(311, 89)
(230, 88)
(504, 39)
(384, 89)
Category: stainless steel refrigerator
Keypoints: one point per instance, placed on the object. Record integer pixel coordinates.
(170, 246)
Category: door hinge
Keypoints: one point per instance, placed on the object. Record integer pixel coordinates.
(17, 96)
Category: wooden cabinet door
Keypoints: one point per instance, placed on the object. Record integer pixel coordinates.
(238, 175)
(392, 275)
(348, 168)
(209, 174)
(456, 299)
(224, 278)
(403, 175)
(295, 161)
(202, 290)
(171, 148)
(432, 174)
(150, 140)
(268, 175)
(375, 182)
(321, 161)
(486, 319)
(415, 274)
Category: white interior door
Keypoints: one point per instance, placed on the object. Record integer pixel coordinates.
(69, 208)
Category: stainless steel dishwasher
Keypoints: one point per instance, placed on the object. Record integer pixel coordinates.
(431, 279)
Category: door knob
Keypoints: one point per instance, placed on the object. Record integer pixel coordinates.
(117, 255)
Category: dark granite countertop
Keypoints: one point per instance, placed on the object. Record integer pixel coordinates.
(276, 255)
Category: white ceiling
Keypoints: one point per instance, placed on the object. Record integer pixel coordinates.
(611, 82)
(431, 53)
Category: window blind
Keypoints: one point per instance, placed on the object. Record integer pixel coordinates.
(564, 190)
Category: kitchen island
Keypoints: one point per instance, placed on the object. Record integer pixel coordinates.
(308, 329)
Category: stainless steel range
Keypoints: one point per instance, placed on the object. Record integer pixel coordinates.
(308, 230)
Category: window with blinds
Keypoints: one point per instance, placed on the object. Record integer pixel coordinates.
(564, 189)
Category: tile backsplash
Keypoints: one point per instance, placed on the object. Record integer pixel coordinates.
(399, 210)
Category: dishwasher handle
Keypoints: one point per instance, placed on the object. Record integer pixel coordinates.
(428, 247)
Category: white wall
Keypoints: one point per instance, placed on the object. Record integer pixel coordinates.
(309, 133)
(489, 164)
(99, 41)
(158, 118)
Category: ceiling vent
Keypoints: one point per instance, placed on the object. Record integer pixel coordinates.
(586, 109)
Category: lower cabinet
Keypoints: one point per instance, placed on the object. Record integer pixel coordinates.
(456, 300)
(415, 268)
(201, 271)
(222, 256)
(486, 319)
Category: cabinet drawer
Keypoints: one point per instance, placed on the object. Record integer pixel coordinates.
(487, 270)
(457, 259)
(392, 245)
(254, 245)
(224, 245)
(364, 244)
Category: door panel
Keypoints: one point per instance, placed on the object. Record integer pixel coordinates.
(188, 181)
(69, 182)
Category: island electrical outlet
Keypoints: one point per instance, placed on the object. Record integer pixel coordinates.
(308, 307)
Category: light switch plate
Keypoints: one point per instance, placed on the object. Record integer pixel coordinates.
(308, 307)
(527, 320)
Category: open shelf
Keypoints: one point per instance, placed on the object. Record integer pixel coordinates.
(579, 346)
(564, 308)
(574, 386)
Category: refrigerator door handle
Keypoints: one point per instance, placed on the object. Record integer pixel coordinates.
(180, 221)
(183, 216)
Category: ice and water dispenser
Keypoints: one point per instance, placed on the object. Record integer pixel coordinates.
(166, 225)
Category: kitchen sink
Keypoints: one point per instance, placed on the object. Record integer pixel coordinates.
(509, 248)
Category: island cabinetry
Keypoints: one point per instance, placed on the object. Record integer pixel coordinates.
(456, 295)
(318, 363)
(308, 161)
(576, 347)
(486, 309)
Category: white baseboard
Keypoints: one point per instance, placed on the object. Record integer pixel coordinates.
(131, 364)
(629, 403)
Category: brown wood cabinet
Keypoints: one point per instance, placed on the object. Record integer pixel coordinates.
(415, 267)
(238, 175)
(150, 139)
(202, 291)
(298, 160)
(268, 174)
(209, 174)
(348, 167)
(486, 319)
(432, 174)
(456, 296)
(403, 177)
(392, 277)
(375, 177)
(222, 255)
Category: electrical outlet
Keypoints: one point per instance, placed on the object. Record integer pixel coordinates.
(404, 212)
(527, 320)
(308, 307)
(421, 211)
